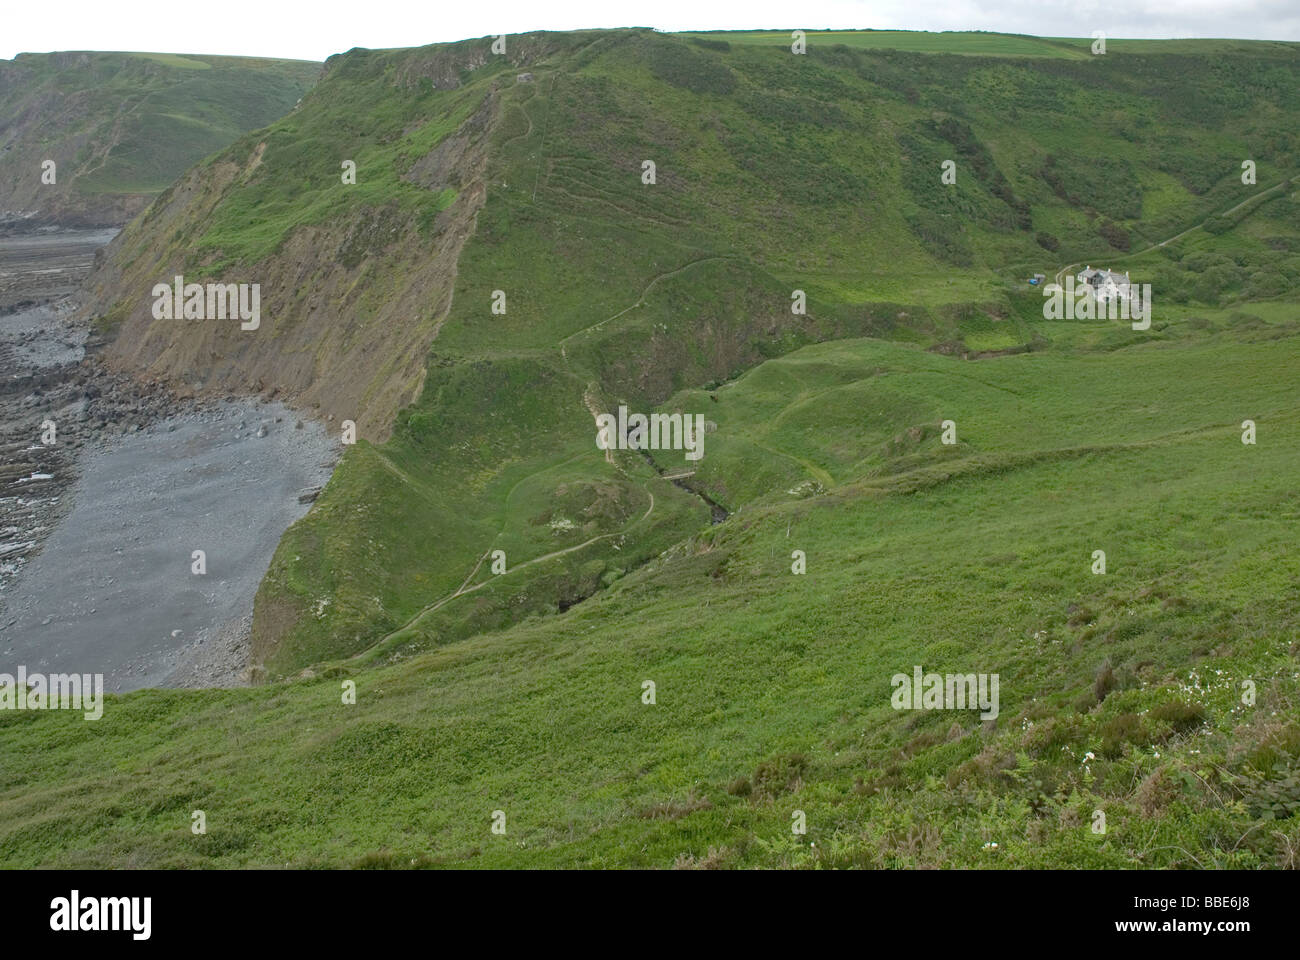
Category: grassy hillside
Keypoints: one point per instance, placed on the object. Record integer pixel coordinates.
(774, 173)
(121, 127)
(773, 688)
(976, 43)
(483, 690)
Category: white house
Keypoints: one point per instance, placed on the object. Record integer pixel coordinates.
(1105, 284)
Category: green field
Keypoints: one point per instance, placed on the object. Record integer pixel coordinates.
(521, 691)
(975, 43)
(773, 688)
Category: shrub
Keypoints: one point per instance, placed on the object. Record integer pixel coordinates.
(740, 787)
(1274, 797)
(779, 775)
(1183, 716)
(1120, 730)
(1115, 235)
(1104, 683)
(1218, 224)
(1156, 792)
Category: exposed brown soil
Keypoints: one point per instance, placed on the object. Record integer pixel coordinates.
(324, 345)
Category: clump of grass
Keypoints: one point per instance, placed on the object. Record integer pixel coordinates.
(1081, 616)
(1276, 745)
(713, 860)
(674, 810)
(1045, 738)
(740, 787)
(1180, 715)
(386, 859)
(783, 774)
(921, 742)
(990, 763)
(1156, 792)
(1104, 683)
(1120, 730)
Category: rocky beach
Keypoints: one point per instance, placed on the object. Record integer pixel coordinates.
(109, 484)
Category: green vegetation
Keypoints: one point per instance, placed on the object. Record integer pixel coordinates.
(975, 43)
(780, 683)
(352, 117)
(123, 126)
(521, 691)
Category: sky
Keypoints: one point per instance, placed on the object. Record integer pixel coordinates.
(315, 29)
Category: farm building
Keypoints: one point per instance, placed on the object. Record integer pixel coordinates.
(1105, 284)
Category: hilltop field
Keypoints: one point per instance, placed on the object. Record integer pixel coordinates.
(1156, 698)
(121, 127)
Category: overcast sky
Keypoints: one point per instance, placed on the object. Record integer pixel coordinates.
(314, 29)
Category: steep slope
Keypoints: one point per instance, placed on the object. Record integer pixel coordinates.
(857, 545)
(354, 277)
(1120, 693)
(120, 127)
(522, 174)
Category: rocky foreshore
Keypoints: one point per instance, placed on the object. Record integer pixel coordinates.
(108, 482)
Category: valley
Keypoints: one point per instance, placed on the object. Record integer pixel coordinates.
(916, 471)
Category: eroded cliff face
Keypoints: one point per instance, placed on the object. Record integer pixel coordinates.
(349, 305)
(348, 308)
(354, 277)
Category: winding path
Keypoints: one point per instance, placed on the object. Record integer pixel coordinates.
(464, 588)
(1178, 236)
